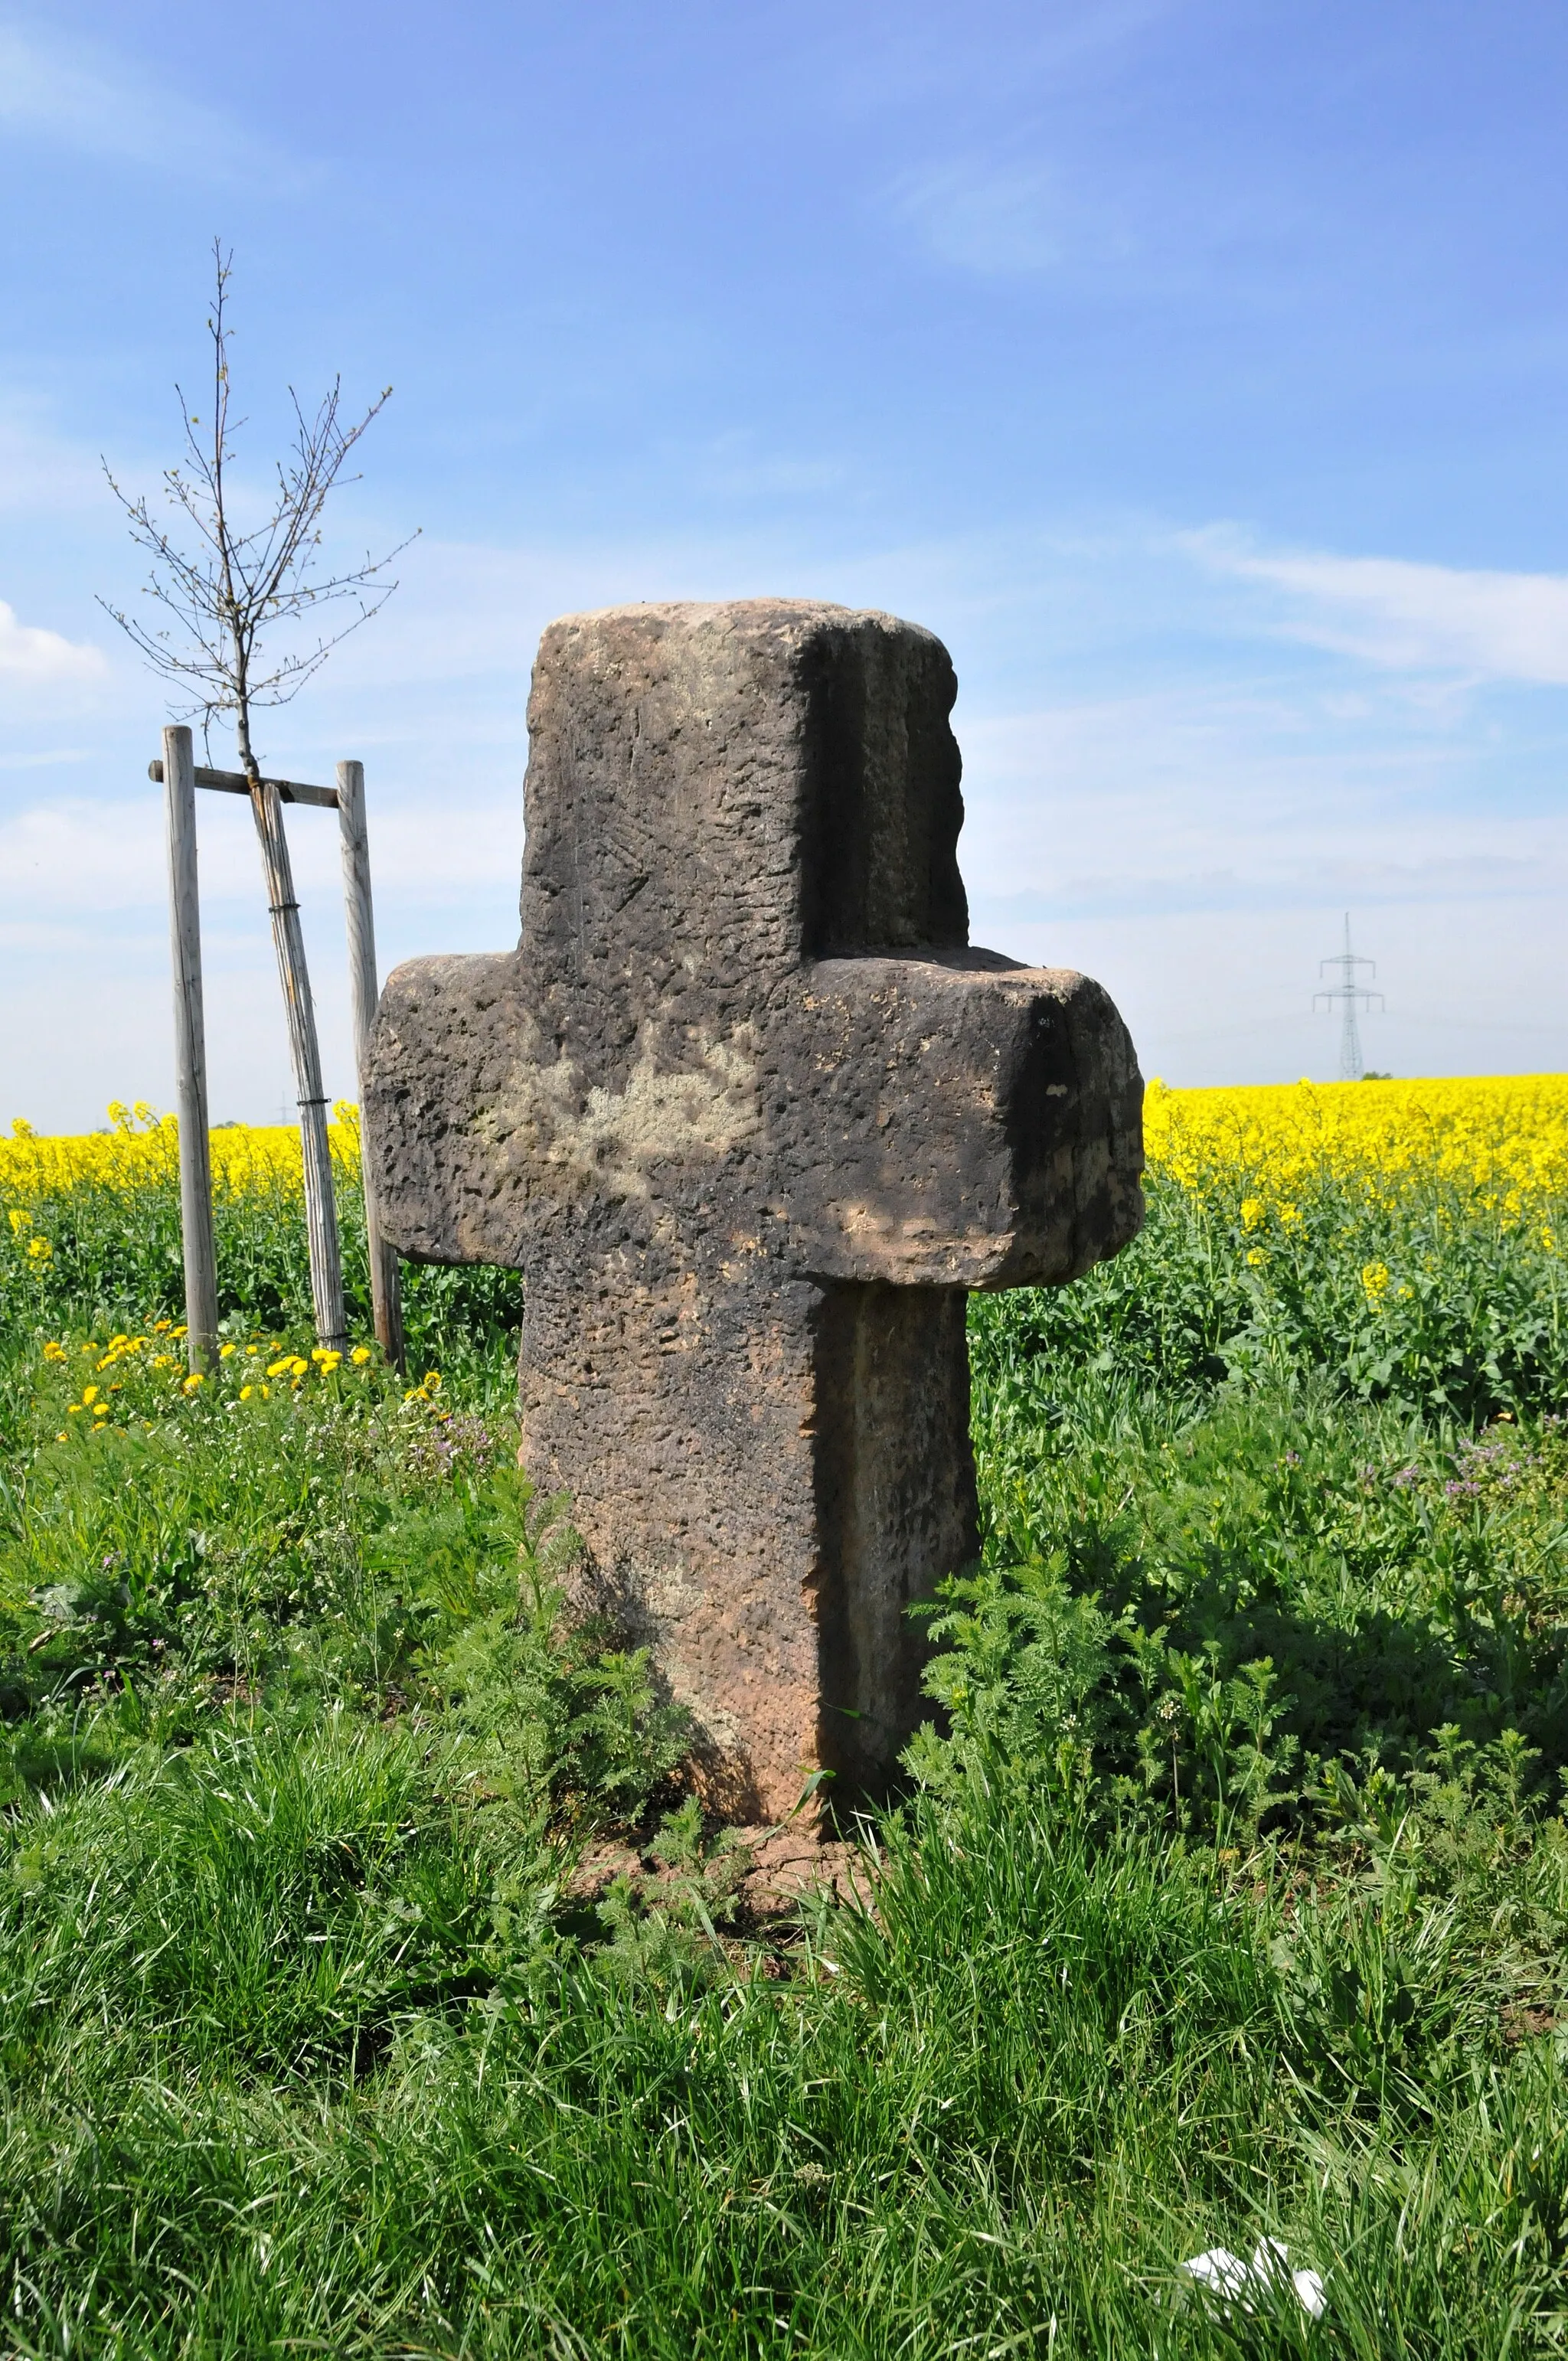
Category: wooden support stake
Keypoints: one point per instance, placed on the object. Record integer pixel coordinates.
(321, 1214)
(189, 1055)
(386, 1290)
(235, 783)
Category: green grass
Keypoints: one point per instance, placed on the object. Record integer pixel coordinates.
(1229, 1899)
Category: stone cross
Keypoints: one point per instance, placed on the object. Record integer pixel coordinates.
(752, 1119)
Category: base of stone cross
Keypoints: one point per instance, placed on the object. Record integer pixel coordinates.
(805, 1494)
(753, 1118)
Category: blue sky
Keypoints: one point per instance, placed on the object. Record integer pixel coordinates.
(1200, 372)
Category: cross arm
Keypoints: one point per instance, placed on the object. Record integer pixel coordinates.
(442, 1055)
(961, 1121)
(952, 1121)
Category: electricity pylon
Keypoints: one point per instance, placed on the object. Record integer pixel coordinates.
(1348, 995)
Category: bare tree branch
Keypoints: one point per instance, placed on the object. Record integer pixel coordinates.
(226, 597)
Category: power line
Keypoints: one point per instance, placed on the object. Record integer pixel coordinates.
(1348, 995)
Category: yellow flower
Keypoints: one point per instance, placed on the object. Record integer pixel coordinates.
(163, 1361)
(162, 1327)
(1256, 1255)
(245, 1392)
(251, 1351)
(89, 1393)
(53, 1351)
(192, 1382)
(360, 1355)
(1375, 1280)
(1291, 1217)
(71, 1409)
(433, 1378)
(224, 1351)
(20, 1221)
(329, 1362)
(1251, 1212)
(100, 1409)
(178, 1331)
(62, 1436)
(39, 1250)
(278, 1368)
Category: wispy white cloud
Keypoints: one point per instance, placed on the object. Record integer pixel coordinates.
(39, 469)
(47, 760)
(75, 859)
(82, 96)
(913, 57)
(1404, 615)
(30, 654)
(980, 215)
(1219, 801)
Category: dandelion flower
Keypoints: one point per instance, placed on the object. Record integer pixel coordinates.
(359, 1355)
(192, 1382)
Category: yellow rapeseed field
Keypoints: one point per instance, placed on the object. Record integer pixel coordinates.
(142, 1148)
(1506, 1137)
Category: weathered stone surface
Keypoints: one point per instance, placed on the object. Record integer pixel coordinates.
(751, 1117)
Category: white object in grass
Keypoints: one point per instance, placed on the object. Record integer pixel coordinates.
(1235, 2281)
